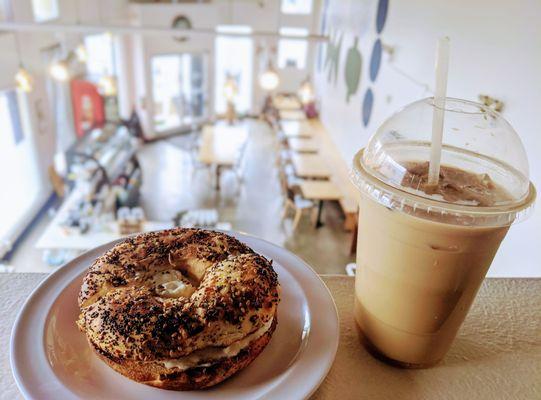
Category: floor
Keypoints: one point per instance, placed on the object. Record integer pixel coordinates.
(170, 185)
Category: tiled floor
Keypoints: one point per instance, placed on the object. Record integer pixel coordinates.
(171, 185)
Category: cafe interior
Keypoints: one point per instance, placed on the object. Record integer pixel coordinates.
(119, 117)
(270, 199)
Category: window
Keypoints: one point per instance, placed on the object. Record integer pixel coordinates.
(19, 177)
(296, 6)
(45, 10)
(4, 10)
(100, 60)
(292, 52)
(178, 90)
(234, 60)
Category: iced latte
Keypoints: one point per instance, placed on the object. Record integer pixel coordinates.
(423, 251)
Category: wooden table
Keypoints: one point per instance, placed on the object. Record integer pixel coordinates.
(293, 115)
(296, 129)
(281, 103)
(320, 191)
(497, 354)
(310, 166)
(303, 145)
(220, 146)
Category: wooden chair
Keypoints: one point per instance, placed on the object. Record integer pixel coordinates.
(283, 157)
(193, 153)
(237, 167)
(291, 179)
(294, 201)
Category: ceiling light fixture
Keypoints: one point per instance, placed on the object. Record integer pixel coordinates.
(230, 88)
(23, 78)
(59, 71)
(269, 79)
(81, 53)
(80, 50)
(107, 85)
(306, 91)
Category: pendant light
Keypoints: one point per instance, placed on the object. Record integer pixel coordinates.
(230, 88)
(81, 53)
(59, 70)
(107, 85)
(306, 91)
(269, 79)
(80, 50)
(23, 78)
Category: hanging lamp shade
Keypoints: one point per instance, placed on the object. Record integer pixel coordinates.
(230, 88)
(59, 71)
(107, 85)
(269, 79)
(306, 92)
(24, 80)
(81, 53)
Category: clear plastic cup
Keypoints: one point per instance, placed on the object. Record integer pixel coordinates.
(423, 251)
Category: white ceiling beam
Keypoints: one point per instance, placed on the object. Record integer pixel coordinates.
(143, 30)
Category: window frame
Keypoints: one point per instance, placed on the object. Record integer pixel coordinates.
(292, 10)
(203, 91)
(52, 15)
(302, 33)
(246, 105)
(95, 75)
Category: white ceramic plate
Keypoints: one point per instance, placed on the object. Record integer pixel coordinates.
(51, 359)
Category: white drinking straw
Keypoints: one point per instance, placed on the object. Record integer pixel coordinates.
(442, 67)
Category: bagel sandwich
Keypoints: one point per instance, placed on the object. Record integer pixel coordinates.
(180, 309)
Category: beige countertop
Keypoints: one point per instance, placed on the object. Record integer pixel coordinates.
(497, 354)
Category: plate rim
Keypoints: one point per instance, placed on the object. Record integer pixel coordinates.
(332, 345)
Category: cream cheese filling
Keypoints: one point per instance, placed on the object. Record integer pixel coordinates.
(205, 357)
(172, 284)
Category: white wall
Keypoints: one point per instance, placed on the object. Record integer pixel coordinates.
(495, 50)
(261, 16)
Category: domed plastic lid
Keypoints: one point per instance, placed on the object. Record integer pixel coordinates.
(484, 169)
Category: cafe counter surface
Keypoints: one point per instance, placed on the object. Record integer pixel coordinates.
(497, 354)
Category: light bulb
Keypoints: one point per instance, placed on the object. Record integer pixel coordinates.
(306, 92)
(230, 89)
(107, 85)
(59, 71)
(269, 80)
(81, 53)
(24, 80)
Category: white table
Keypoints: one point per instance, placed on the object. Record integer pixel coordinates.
(319, 191)
(287, 102)
(297, 129)
(303, 145)
(220, 146)
(293, 115)
(310, 166)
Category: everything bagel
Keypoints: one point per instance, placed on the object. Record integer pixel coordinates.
(179, 309)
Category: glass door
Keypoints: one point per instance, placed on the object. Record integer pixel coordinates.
(234, 60)
(178, 91)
